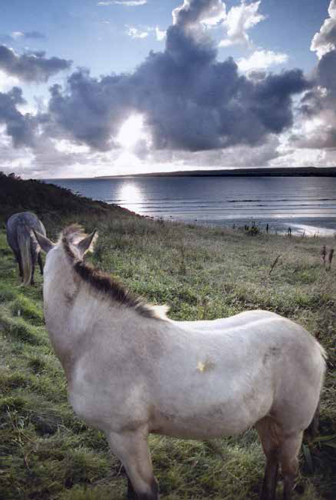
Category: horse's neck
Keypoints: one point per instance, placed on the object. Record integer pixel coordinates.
(61, 288)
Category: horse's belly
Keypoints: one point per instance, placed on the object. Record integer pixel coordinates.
(210, 422)
(198, 429)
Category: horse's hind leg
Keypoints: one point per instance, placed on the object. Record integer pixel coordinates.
(18, 260)
(289, 461)
(270, 436)
(40, 263)
(132, 449)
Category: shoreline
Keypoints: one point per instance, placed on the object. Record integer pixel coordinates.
(299, 227)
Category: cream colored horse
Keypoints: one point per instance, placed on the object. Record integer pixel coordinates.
(131, 371)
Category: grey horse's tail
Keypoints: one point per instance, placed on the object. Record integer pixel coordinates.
(24, 242)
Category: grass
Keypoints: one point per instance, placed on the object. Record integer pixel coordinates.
(46, 453)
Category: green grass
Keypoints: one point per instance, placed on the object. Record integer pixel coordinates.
(46, 453)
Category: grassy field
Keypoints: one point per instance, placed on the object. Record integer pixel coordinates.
(201, 273)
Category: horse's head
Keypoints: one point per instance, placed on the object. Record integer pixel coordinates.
(72, 238)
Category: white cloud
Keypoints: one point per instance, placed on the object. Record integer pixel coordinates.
(192, 12)
(66, 146)
(17, 34)
(126, 3)
(145, 31)
(7, 81)
(238, 21)
(160, 34)
(325, 40)
(215, 15)
(136, 33)
(261, 60)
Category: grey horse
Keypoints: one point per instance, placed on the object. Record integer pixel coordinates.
(26, 249)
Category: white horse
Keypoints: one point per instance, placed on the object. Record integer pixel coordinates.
(132, 371)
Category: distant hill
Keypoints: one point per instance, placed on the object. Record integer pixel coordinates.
(245, 172)
(48, 201)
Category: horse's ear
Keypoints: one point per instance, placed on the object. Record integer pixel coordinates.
(87, 243)
(43, 241)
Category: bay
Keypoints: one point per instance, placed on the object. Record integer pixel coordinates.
(306, 204)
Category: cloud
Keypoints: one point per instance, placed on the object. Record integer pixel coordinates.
(33, 35)
(160, 34)
(126, 3)
(7, 82)
(193, 12)
(20, 127)
(316, 127)
(261, 60)
(239, 21)
(318, 108)
(90, 111)
(325, 40)
(190, 101)
(30, 67)
(17, 35)
(136, 33)
(144, 32)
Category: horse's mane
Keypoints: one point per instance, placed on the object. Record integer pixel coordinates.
(103, 282)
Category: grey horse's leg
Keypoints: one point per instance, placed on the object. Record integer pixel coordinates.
(40, 263)
(270, 478)
(269, 435)
(132, 449)
(289, 462)
(32, 282)
(130, 490)
(132, 495)
(19, 261)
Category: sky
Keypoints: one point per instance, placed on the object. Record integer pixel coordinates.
(111, 87)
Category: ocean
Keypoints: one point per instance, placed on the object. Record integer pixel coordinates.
(306, 204)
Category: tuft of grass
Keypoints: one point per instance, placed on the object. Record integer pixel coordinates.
(19, 329)
(27, 309)
(7, 293)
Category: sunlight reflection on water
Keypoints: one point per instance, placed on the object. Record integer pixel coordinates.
(130, 196)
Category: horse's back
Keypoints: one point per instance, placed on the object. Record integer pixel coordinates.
(21, 223)
(257, 359)
(246, 317)
(25, 218)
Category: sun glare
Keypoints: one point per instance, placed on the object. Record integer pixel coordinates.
(131, 131)
(130, 196)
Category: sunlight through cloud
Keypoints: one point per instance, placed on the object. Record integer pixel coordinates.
(131, 132)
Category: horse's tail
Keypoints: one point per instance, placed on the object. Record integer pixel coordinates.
(313, 429)
(24, 242)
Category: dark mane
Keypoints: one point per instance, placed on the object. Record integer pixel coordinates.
(102, 282)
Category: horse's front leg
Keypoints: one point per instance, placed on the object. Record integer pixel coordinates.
(131, 448)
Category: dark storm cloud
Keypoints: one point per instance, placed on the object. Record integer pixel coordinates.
(90, 110)
(32, 67)
(325, 72)
(190, 100)
(18, 126)
(320, 103)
